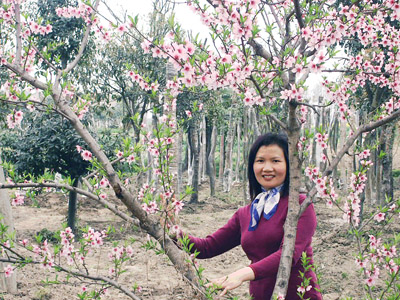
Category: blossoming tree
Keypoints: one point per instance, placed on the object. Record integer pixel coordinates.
(266, 51)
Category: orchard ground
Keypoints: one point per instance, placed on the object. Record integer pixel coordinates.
(333, 247)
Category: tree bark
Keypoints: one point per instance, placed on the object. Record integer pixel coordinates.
(227, 177)
(387, 161)
(180, 163)
(245, 156)
(379, 194)
(211, 159)
(171, 112)
(221, 157)
(203, 151)
(72, 206)
(254, 121)
(238, 152)
(293, 215)
(194, 137)
(8, 284)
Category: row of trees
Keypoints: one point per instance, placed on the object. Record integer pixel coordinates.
(254, 81)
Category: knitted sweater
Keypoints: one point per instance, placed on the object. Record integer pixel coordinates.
(263, 247)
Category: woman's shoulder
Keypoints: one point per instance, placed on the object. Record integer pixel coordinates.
(244, 209)
(302, 197)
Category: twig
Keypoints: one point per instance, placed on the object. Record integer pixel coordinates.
(364, 128)
(83, 43)
(76, 274)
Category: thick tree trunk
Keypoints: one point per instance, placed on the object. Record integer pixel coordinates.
(8, 284)
(290, 226)
(221, 158)
(238, 152)
(211, 159)
(245, 156)
(254, 122)
(379, 195)
(194, 138)
(387, 161)
(180, 163)
(189, 159)
(203, 151)
(227, 180)
(72, 206)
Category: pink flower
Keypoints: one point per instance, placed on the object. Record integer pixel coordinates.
(370, 281)
(8, 270)
(301, 289)
(122, 28)
(18, 200)
(24, 242)
(86, 155)
(104, 182)
(379, 217)
(178, 205)
(188, 113)
(131, 158)
(78, 148)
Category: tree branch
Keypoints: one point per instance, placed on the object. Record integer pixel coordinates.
(83, 43)
(25, 76)
(259, 50)
(18, 36)
(111, 282)
(350, 141)
(298, 13)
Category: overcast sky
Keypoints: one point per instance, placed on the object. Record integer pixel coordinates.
(183, 15)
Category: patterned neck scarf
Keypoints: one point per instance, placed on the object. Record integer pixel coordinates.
(266, 204)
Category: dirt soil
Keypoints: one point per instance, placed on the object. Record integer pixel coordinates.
(333, 250)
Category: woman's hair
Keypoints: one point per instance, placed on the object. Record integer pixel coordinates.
(279, 139)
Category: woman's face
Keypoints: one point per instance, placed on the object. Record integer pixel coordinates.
(270, 166)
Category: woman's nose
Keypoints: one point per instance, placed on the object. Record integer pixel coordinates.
(267, 166)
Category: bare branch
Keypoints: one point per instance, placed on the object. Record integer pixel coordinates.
(83, 43)
(298, 13)
(259, 50)
(350, 141)
(279, 122)
(313, 106)
(25, 76)
(109, 281)
(44, 59)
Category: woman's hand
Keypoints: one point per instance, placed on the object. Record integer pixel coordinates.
(233, 280)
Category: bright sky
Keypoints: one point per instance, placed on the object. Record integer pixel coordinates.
(183, 15)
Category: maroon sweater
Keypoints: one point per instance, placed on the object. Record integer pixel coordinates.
(263, 247)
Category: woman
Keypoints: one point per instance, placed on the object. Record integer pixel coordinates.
(258, 227)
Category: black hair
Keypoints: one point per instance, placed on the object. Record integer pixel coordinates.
(270, 138)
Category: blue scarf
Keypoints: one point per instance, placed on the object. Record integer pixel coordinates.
(266, 203)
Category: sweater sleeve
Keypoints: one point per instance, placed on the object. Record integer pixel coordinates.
(305, 230)
(224, 239)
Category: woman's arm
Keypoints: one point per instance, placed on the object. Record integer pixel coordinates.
(224, 239)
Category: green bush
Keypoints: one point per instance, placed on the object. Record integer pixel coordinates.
(396, 173)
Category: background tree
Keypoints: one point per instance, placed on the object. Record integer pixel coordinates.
(47, 143)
